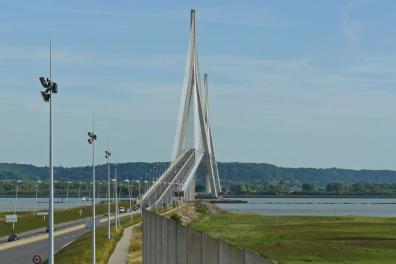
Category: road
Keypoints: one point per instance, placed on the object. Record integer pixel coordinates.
(24, 253)
(23, 250)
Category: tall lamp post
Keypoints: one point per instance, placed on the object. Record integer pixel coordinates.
(35, 202)
(50, 88)
(130, 201)
(107, 156)
(79, 193)
(16, 202)
(67, 194)
(91, 140)
(116, 203)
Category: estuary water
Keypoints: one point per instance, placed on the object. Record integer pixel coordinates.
(316, 206)
(27, 204)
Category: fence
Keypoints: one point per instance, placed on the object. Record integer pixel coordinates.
(167, 242)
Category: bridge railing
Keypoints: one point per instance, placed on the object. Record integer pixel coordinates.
(159, 187)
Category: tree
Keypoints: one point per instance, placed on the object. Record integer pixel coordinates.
(308, 187)
(336, 187)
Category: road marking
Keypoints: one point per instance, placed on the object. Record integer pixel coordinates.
(21, 242)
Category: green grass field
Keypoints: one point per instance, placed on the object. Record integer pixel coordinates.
(28, 221)
(306, 239)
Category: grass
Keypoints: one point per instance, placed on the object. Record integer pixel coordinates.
(80, 250)
(307, 239)
(28, 221)
(135, 250)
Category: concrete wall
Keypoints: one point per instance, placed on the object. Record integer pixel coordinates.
(166, 242)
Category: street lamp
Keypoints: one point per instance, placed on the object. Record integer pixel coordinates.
(107, 156)
(91, 140)
(15, 205)
(79, 192)
(50, 88)
(67, 193)
(138, 182)
(130, 201)
(116, 198)
(35, 202)
(99, 191)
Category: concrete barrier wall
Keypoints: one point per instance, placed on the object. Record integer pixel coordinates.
(166, 242)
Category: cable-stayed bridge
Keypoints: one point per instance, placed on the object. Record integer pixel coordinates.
(193, 153)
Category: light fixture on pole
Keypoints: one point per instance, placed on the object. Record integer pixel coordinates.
(91, 140)
(107, 156)
(50, 88)
(35, 202)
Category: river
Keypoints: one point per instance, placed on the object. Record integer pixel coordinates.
(316, 206)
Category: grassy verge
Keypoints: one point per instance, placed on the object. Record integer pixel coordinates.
(28, 221)
(306, 239)
(135, 250)
(80, 250)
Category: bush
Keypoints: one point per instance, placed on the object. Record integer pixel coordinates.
(176, 218)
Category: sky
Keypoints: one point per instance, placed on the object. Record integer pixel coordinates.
(309, 83)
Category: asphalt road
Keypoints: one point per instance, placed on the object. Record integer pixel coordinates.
(24, 254)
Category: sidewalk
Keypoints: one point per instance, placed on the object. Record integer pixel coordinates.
(120, 253)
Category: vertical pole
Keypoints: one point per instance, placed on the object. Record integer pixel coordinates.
(79, 191)
(35, 202)
(130, 201)
(93, 196)
(108, 196)
(51, 198)
(116, 196)
(67, 194)
(139, 189)
(15, 205)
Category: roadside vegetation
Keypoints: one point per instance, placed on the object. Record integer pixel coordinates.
(80, 250)
(305, 239)
(135, 250)
(28, 221)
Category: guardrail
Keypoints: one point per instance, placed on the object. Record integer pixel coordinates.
(30, 233)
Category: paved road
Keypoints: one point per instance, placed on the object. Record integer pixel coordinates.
(23, 250)
(24, 254)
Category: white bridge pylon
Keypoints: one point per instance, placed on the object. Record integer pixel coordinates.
(193, 127)
(193, 150)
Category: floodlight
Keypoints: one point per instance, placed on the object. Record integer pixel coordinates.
(55, 87)
(44, 82)
(90, 134)
(89, 141)
(45, 96)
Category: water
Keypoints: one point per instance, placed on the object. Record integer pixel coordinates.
(316, 206)
(27, 204)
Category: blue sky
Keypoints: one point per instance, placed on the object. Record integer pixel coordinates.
(293, 83)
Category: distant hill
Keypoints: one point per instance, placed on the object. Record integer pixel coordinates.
(230, 172)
